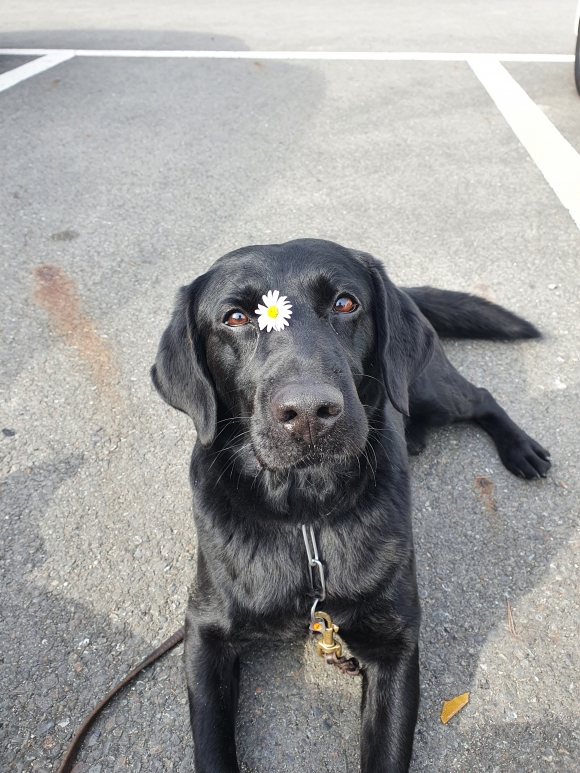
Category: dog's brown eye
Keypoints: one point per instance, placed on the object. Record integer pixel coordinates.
(236, 318)
(345, 304)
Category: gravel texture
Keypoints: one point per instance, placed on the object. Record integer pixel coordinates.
(124, 179)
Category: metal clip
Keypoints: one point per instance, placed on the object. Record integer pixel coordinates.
(328, 644)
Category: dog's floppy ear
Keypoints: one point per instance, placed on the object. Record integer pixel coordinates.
(404, 339)
(180, 373)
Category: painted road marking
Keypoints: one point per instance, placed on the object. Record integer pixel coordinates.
(556, 159)
(45, 62)
(552, 153)
(354, 56)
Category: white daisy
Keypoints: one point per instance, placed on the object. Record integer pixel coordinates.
(275, 313)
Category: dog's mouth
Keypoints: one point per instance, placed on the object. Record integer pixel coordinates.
(316, 472)
(317, 477)
(280, 457)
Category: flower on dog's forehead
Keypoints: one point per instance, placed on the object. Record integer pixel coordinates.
(275, 313)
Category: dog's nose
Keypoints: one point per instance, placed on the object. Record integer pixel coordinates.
(307, 411)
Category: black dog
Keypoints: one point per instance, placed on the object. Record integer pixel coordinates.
(305, 426)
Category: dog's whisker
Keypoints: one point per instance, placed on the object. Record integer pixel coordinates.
(376, 440)
(233, 418)
(229, 422)
(216, 454)
(366, 375)
(232, 441)
(231, 462)
(245, 432)
(386, 429)
(365, 455)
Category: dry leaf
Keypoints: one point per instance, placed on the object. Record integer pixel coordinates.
(450, 708)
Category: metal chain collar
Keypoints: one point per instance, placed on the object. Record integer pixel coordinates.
(314, 561)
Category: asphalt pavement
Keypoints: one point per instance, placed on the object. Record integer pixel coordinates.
(123, 179)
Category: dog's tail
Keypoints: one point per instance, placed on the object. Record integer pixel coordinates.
(461, 315)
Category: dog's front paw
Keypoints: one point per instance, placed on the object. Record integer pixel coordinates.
(525, 458)
(415, 437)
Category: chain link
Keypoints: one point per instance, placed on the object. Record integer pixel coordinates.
(314, 562)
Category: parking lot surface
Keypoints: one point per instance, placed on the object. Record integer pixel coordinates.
(124, 178)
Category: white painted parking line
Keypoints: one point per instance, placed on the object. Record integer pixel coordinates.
(554, 156)
(45, 62)
(352, 56)
(556, 159)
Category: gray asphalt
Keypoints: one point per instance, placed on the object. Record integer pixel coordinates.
(122, 180)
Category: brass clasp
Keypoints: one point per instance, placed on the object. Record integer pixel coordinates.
(327, 645)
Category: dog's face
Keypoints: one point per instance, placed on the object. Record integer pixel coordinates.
(297, 389)
(302, 395)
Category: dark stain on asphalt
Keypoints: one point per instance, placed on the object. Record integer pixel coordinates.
(64, 236)
(57, 294)
(484, 487)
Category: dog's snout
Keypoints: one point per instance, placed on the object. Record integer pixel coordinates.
(307, 412)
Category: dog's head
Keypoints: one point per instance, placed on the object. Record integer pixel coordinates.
(304, 394)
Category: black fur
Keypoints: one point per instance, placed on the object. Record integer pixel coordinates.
(461, 315)
(304, 426)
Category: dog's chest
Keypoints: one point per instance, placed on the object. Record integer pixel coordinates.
(267, 573)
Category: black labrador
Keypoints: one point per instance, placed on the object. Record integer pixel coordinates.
(306, 425)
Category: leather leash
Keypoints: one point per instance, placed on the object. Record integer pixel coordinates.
(75, 744)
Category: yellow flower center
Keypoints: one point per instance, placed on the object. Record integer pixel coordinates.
(273, 312)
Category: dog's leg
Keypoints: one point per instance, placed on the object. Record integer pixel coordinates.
(415, 434)
(389, 706)
(440, 395)
(212, 668)
(384, 637)
(389, 713)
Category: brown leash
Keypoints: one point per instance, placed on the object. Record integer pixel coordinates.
(71, 752)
